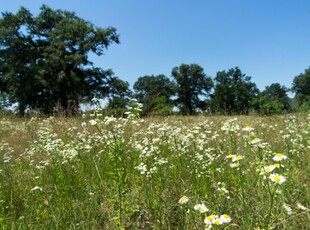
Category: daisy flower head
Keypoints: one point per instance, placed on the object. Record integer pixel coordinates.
(217, 221)
(230, 156)
(209, 219)
(255, 141)
(237, 158)
(225, 218)
(201, 208)
(183, 200)
(279, 157)
(268, 169)
(278, 179)
(248, 128)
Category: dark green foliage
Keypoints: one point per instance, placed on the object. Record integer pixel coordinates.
(301, 88)
(233, 92)
(273, 100)
(155, 93)
(120, 94)
(191, 82)
(44, 61)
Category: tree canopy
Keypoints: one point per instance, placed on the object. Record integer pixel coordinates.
(44, 62)
(192, 84)
(273, 100)
(45, 66)
(155, 93)
(233, 92)
(301, 88)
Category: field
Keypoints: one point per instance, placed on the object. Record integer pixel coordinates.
(96, 172)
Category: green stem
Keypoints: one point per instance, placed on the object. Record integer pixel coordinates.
(271, 193)
(242, 190)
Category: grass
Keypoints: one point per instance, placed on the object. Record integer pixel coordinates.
(106, 173)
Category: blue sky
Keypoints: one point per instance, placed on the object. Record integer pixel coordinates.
(267, 39)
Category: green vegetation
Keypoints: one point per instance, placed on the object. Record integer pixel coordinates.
(191, 82)
(99, 172)
(125, 172)
(233, 93)
(44, 64)
(155, 93)
(44, 67)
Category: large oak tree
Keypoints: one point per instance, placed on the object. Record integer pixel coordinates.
(44, 61)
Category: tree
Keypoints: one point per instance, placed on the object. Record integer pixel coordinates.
(192, 84)
(119, 95)
(233, 92)
(273, 100)
(301, 88)
(154, 92)
(44, 59)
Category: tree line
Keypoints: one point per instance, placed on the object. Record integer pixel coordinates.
(230, 92)
(44, 67)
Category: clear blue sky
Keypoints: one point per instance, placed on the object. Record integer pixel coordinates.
(267, 39)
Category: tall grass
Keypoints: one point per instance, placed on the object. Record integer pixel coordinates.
(157, 173)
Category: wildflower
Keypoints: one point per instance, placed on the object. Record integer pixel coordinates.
(287, 208)
(217, 221)
(209, 219)
(225, 218)
(255, 141)
(237, 158)
(262, 145)
(223, 190)
(230, 155)
(279, 157)
(234, 165)
(268, 169)
(301, 207)
(201, 208)
(36, 188)
(183, 200)
(278, 179)
(93, 122)
(248, 128)
(277, 165)
(142, 168)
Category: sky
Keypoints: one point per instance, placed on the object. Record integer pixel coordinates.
(267, 39)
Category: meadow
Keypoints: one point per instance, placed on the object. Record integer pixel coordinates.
(202, 172)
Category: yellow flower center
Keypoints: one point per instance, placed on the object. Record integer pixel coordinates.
(217, 222)
(238, 158)
(277, 178)
(279, 155)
